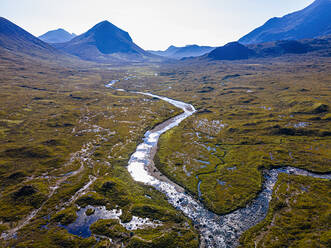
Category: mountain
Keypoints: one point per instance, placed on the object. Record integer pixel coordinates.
(231, 51)
(166, 53)
(187, 51)
(237, 51)
(278, 48)
(311, 22)
(57, 36)
(15, 40)
(105, 43)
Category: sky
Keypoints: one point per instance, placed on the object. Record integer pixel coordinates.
(152, 24)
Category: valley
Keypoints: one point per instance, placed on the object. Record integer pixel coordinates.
(105, 144)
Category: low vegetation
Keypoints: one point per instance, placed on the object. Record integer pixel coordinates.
(299, 215)
(61, 129)
(251, 116)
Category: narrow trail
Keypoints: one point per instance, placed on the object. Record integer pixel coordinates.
(216, 230)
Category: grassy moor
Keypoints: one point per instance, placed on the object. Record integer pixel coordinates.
(105, 144)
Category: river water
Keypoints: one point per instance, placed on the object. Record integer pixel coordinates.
(216, 230)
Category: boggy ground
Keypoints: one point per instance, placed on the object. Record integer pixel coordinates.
(299, 215)
(61, 130)
(252, 115)
(64, 143)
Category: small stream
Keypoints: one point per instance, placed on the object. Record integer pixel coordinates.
(216, 230)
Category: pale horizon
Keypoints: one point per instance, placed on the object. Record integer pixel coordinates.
(153, 25)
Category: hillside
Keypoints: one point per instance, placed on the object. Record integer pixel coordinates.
(237, 51)
(311, 22)
(231, 51)
(14, 39)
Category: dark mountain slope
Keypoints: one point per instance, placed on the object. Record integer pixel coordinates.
(57, 36)
(22, 48)
(231, 51)
(16, 40)
(311, 22)
(236, 51)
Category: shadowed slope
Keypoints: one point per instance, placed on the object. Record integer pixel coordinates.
(231, 51)
(311, 22)
(17, 40)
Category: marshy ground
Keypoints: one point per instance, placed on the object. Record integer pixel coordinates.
(251, 116)
(66, 140)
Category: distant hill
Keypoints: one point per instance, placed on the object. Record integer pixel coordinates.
(311, 22)
(236, 51)
(187, 51)
(278, 48)
(57, 36)
(105, 43)
(231, 51)
(14, 39)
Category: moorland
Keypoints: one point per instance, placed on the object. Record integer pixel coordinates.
(66, 139)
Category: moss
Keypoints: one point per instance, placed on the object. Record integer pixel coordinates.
(89, 212)
(126, 216)
(93, 199)
(319, 108)
(110, 228)
(169, 239)
(136, 242)
(156, 213)
(298, 215)
(114, 190)
(25, 191)
(3, 228)
(66, 216)
(28, 152)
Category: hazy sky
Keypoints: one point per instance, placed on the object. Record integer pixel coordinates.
(153, 24)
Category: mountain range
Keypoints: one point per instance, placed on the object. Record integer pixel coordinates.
(238, 51)
(186, 51)
(57, 36)
(311, 22)
(107, 43)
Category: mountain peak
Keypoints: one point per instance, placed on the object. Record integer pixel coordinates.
(109, 38)
(105, 22)
(57, 36)
(103, 42)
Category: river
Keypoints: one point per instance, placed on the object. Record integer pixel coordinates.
(216, 230)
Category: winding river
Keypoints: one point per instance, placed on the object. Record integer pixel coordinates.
(215, 230)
